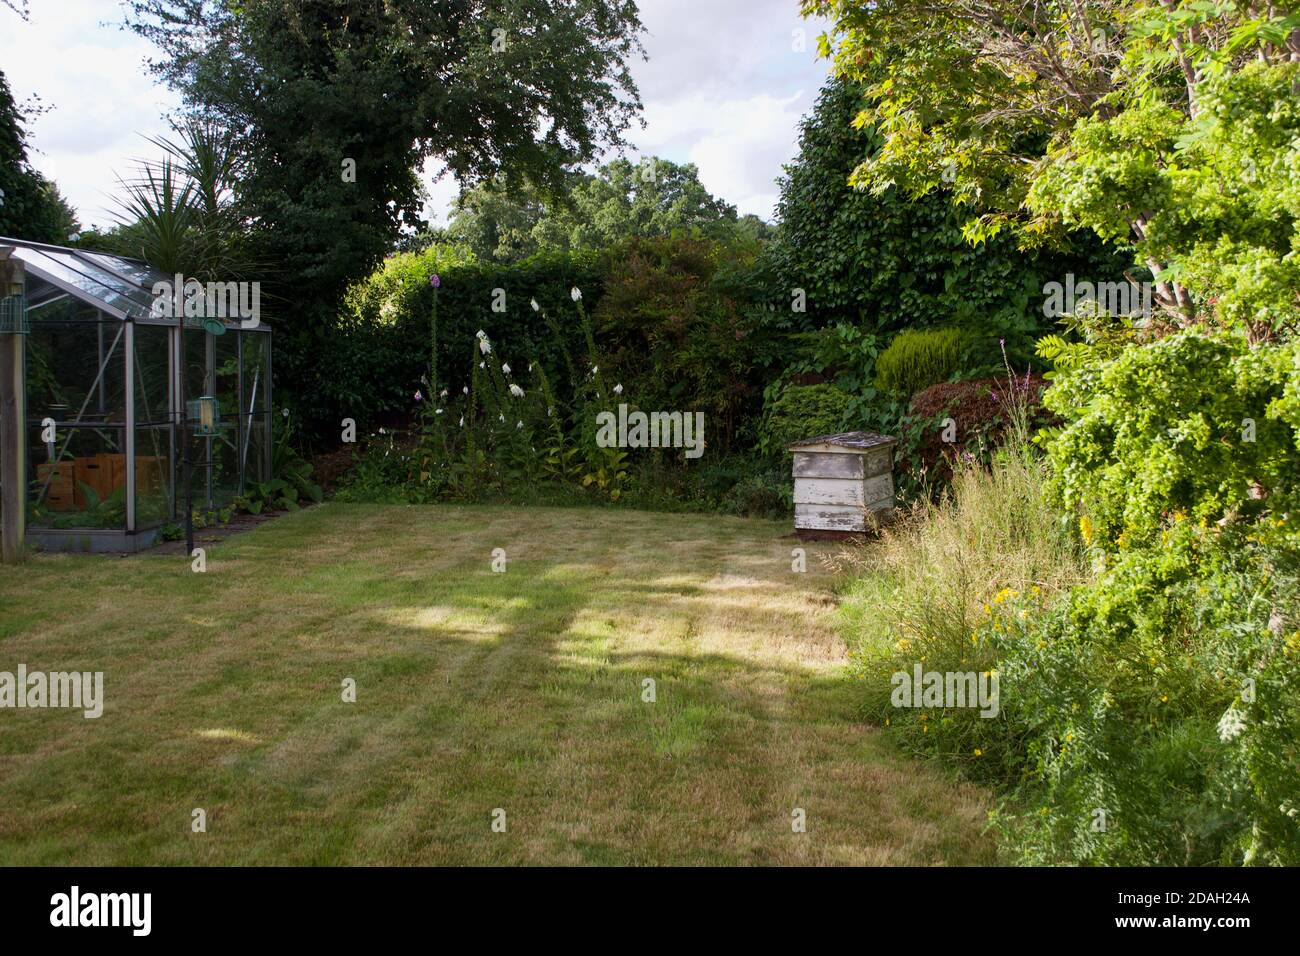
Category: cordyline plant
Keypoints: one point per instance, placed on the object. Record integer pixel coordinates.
(1120, 116)
(177, 213)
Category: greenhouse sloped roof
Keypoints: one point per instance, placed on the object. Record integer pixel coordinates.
(119, 286)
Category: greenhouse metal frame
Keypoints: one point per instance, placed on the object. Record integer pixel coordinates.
(107, 381)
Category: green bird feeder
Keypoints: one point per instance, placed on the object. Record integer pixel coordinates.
(205, 413)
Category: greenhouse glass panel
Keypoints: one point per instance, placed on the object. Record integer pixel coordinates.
(256, 405)
(107, 388)
(76, 367)
(152, 345)
(101, 285)
(138, 272)
(153, 476)
(79, 479)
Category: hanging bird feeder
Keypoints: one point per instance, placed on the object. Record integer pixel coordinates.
(205, 413)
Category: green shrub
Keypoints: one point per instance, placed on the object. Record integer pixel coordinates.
(766, 494)
(1150, 707)
(676, 325)
(920, 594)
(919, 358)
(1163, 700)
(1203, 425)
(376, 358)
(802, 411)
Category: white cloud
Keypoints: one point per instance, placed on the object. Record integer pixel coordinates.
(739, 145)
(92, 74)
(441, 193)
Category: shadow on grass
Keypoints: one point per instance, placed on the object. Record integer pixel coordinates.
(525, 692)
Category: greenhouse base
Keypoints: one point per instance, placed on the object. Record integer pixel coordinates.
(91, 541)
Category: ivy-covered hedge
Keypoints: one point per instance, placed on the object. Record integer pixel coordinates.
(888, 262)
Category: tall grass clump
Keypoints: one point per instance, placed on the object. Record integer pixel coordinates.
(922, 591)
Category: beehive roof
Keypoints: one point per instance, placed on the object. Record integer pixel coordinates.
(854, 441)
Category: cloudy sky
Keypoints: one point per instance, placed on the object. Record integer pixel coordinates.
(724, 87)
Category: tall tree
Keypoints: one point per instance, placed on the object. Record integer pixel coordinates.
(335, 105)
(30, 205)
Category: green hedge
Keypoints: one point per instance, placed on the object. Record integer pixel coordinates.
(803, 411)
(377, 355)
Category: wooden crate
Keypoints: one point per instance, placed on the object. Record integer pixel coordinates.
(60, 490)
(114, 473)
(150, 472)
(841, 480)
(111, 473)
(99, 473)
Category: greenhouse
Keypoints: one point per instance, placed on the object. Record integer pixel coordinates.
(117, 389)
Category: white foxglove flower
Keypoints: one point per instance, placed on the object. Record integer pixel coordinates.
(519, 424)
(575, 293)
(505, 368)
(462, 421)
(533, 303)
(480, 334)
(484, 346)
(482, 365)
(382, 432)
(530, 366)
(1231, 724)
(437, 411)
(618, 389)
(501, 418)
(516, 391)
(443, 393)
(464, 389)
(595, 369)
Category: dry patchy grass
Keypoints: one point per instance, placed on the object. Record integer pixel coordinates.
(476, 690)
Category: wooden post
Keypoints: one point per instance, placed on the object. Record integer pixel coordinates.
(13, 416)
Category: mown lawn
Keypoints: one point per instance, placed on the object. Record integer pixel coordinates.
(475, 691)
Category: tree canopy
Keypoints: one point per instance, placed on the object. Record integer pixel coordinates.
(335, 105)
(30, 205)
(1166, 126)
(622, 200)
(887, 259)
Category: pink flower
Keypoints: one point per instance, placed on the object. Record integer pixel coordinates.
(418, 396)
(435, 280)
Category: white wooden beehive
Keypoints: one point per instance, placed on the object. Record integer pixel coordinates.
(840, 479)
